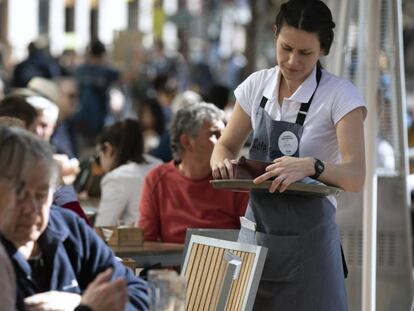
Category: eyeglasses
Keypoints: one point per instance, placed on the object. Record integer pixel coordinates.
(37, 196)
(20, 190)
(17, 185)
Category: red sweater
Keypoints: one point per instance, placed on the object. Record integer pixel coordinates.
(171, 203)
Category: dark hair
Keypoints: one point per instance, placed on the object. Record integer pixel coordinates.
(127, 139)
(218, 95)
(166, 84)
(97, 48)
(16, 106)
(157, 112)
(308, 15)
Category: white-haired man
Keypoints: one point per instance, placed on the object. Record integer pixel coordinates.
(177, 195)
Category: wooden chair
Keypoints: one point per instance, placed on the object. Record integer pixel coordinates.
(222, 275)
(221, 234)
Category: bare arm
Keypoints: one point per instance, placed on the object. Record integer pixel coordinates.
(348, 175)
(230, 143)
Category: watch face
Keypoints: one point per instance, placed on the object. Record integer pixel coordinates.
(319, 167)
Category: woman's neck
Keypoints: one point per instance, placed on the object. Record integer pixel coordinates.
(287, 88)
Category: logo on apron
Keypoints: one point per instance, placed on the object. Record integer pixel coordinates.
(288, 143)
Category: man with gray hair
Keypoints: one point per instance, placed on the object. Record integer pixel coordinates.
(178, 195)
(59, 262)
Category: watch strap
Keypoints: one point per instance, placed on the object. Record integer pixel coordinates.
(319, 168)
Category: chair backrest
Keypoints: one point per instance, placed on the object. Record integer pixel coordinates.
(222, 275)
(222, 234)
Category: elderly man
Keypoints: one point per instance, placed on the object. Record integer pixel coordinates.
(8, 292)
(18, 106)
(178, 195)
(55, 255)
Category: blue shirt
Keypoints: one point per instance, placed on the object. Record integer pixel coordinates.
(94, 83)
(72, 256)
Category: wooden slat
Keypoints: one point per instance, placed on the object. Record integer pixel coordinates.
(233, 288)
(219, 279)
(211, 280)
(202, 286)
(190, 263)
(236, 288)
(194, 297)
(240, 288)
(245, 279)
(193, 272)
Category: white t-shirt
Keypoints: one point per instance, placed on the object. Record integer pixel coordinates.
(334, 98)
(121, 192)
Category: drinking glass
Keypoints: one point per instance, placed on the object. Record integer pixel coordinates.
(166, 291)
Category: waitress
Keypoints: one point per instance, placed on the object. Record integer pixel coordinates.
(309, 123)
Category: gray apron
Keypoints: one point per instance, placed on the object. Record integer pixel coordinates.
(303, 268)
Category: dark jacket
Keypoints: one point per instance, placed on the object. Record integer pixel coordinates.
(72, 256)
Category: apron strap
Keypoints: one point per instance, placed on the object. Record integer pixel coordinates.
(344, 265)
(304, 107)
(263, 102)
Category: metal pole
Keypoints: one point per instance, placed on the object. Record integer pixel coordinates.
(396, 8)
(341, 45)
(372, 35)
(401, 105)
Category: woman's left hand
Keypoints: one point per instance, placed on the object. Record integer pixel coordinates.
(287, 170)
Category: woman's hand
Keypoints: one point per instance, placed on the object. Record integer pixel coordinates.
(287, 170)
(223, 170)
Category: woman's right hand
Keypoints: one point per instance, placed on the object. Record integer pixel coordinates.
(223, 170)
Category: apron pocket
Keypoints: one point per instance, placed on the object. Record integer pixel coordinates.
(283, 261)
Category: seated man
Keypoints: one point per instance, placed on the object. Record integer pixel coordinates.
(55, 254)
(178, 195)
(8, 292)
(18, 107)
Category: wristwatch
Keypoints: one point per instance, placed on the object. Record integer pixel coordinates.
(319, 168)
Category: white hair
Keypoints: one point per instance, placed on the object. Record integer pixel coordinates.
(185, 98)
(48, 108)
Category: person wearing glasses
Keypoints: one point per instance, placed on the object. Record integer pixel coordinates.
(59, 262)
(308, 123)
(10, 172)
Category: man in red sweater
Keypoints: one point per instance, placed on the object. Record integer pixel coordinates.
(177, 195)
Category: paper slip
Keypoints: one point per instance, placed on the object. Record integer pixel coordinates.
(244, 222)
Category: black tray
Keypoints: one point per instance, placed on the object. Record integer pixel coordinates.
(295, 188)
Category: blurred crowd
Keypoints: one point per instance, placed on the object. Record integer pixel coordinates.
(75, 96)
(110, 125)
(90, 92)
(138, 138)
